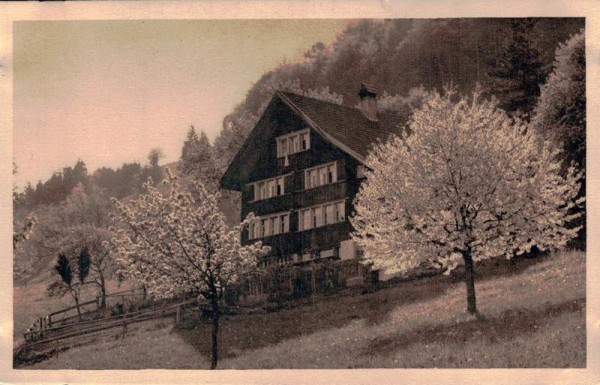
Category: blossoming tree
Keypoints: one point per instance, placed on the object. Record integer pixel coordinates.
(468, 183)
(177, 242)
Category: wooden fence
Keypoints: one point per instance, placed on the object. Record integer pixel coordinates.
(57, 337)
(85, 327)
(69, 315)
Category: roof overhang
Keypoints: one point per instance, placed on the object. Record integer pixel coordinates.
(246, 159)
(319, 130)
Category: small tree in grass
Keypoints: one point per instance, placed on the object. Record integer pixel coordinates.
(71, 280)
(79, 223)
(467, 183)
(178, 242)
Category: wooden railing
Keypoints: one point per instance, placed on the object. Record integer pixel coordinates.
(67, 331)
(39, 328)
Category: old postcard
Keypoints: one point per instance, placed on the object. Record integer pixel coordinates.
(345, 190)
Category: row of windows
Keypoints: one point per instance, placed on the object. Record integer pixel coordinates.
(269, 188)
(293, 143)
(309, 218)
(323, 215)
(269, 225)
(313, 177)
(319, 176)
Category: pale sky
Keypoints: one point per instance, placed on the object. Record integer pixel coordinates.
(107, 92)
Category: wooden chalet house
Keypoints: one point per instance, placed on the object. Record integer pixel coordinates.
(299, 171)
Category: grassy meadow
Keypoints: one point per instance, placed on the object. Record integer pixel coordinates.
(532, 315)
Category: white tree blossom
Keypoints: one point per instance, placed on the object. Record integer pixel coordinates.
(465, 181)
(178, 242)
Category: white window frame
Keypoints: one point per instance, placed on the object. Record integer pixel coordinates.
(341, 218)
(316, 216)
(269, 188)
(293, 143)
(264, 226)
(329, 217)
(320, 175)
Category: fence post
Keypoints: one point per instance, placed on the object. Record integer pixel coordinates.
(178, 315)
(49, 320)
(313, 278)
(57, 348)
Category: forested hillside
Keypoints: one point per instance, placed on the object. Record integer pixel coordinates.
(509, 58)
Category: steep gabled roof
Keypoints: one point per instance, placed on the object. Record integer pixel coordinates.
(345, 127)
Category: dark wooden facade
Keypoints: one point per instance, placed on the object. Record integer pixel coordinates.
(295, 242)
(258, 161)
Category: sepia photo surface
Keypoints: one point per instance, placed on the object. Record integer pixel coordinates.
(376, 192)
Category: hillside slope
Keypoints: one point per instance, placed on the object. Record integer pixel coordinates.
(533, 316)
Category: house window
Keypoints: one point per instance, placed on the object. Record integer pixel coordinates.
(341, 211)
(269, 188)
(314, 178)
(329, 217)
(332, 173)
(286, 223)
(255, 230)
(320, 175)
(306, 218)
(263, 190)
(293, 143)
(318, 216)
(304, 141)
(272, 188)
(269, 225)
(323, 178)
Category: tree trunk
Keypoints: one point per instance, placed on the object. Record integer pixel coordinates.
(214, 356)
(102, 293)
(76, 297)
(470, 282)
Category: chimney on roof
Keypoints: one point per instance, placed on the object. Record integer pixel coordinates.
(368, 101)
